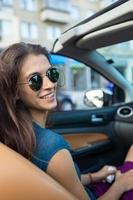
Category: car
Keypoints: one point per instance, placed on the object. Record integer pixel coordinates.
(102, 133)
(64, 102)
(98, 135)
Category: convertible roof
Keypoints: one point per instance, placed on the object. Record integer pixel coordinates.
(109, 26)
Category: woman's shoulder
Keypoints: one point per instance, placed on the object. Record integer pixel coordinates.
(48, 143)
(48, 136)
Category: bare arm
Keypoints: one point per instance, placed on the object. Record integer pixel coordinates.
(100, 175)
(62, 169)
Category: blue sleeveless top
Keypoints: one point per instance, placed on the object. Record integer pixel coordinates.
(48, 143)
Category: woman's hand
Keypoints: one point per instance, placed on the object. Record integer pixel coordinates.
(124, 180)
(123, 183)
(98, 176)
(103, 173)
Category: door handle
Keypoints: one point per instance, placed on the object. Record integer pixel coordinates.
(97, 118)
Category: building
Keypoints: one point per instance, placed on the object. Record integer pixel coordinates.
(41, 20)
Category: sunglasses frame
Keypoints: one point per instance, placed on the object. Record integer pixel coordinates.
(40, 75)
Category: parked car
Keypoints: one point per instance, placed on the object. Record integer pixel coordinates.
(64, 102)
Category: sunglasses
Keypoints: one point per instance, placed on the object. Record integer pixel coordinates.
(36, 80)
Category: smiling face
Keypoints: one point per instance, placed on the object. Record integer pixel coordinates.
(43, 99)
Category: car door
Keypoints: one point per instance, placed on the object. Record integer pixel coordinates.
(91, 135)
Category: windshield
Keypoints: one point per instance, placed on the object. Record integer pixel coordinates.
(121, 55)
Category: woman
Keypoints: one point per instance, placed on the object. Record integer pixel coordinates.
(28, 91)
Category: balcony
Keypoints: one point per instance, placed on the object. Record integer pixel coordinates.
(56, 12)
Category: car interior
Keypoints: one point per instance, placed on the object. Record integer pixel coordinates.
(97, 136)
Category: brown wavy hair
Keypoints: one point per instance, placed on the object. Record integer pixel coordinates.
(15, 119)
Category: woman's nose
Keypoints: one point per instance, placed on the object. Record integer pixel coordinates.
(47, 83)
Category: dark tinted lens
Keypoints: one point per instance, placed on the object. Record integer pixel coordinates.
(52, 74)
(35, 82)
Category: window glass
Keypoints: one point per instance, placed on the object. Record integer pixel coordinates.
(50, 33)
(57, 32)
(34, 31)
(6, 25)
(24, 30)
(7, 2)
(63, 5)
(5, 28)
(121, 54)
(29, 30)
(75, 12)
(53, 32)
(28, 4)
(79, 78)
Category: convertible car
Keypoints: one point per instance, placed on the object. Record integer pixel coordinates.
(100, 134)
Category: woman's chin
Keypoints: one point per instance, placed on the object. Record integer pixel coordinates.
(52, 106)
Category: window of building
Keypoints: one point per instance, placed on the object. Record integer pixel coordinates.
(53, 32)
(62, 4)
(28, 4)
(29, 30)
(75, 13)
(7, 2)
(5, 28)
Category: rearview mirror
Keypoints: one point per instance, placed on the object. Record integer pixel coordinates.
(98, 98)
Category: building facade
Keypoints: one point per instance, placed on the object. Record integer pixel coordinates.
(41, 20)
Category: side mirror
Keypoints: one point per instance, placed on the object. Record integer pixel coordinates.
(98, 98)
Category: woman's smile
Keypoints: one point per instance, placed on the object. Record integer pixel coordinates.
(49, 97)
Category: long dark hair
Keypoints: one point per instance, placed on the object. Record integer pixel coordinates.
(15, 119)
